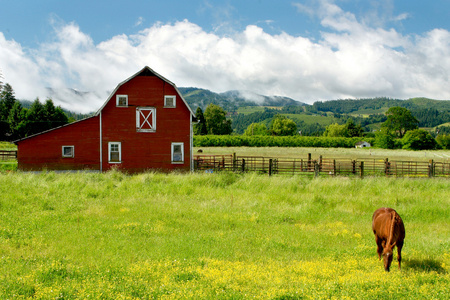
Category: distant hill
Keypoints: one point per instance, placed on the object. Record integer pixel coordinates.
(231, 101)
(246, 107)
(378, 105)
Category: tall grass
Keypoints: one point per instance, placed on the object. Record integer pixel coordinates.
(216, 236)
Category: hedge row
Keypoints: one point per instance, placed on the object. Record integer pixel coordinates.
(276, 141)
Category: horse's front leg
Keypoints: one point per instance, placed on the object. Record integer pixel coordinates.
(399, 254)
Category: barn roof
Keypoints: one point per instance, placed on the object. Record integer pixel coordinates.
(146, 71)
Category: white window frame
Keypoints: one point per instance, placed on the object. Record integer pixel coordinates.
(173, 153)
(174, 101)
(119, 149)
(72, 154)
(146, 113)
(118, 98)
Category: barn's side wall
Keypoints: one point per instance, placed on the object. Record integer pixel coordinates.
(143, 151)
(44, 151)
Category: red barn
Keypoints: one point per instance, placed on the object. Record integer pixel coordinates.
(145, 124)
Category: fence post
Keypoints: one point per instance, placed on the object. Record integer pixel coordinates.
(320, 162)
(431, 168)
(387, 166)
(353, 166)
(243, 165)
(316, 169)
(362, 169)
(309, 161)
(270, 166)
(334, 167)
(234, 162)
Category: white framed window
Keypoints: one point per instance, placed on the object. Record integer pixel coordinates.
(115, 152)
(68, 151)
(122, 100)
(177, 153)
(146, 119)
(170, 101)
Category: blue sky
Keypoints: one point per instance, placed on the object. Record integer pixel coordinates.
(308, 50)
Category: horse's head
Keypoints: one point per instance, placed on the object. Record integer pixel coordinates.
(387, 257)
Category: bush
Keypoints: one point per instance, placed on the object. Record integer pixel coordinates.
(443, 140)
(418, 139)
(276, 141)
(385, 140)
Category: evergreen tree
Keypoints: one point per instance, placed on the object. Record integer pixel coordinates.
(54, 116)
(353, 130)
(35, 118)
(200, 127)
(17, 121)
(7, 100)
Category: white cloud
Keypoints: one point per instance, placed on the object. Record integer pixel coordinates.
(139, 21)
(351, 59)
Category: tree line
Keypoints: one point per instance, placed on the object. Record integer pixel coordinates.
(17, 122)
(400, 128)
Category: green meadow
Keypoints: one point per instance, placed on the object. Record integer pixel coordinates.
(217, 236)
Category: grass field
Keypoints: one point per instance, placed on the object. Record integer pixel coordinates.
(217, 236)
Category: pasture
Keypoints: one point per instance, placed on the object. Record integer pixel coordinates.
(217, 236)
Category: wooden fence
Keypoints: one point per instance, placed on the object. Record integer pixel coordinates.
(331, 167)
(8, 155)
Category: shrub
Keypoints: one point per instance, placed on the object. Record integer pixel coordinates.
(276, 141)
(418, 139)
(443, 140)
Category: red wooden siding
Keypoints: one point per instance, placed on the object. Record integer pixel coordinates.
(44, 151)
(146, 150)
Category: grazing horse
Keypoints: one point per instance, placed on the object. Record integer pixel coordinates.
(389, 232)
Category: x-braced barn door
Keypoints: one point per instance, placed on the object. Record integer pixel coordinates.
(146, 119)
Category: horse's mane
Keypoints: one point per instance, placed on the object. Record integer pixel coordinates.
(391, 231)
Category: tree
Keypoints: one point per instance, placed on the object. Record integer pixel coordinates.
(7, 100)
(353, 130)
(418, 139)
(35, 118)
(17, 121)
(384, 139)
(216, 121)
(1, 82)
(400, 120)
(283, 126)
(200, 127)
(256, 129)
(336, 130)
(54, 115)
(444, 141)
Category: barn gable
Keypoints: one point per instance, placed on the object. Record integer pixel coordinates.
(146, 71)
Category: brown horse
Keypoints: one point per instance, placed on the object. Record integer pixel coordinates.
(389, 232)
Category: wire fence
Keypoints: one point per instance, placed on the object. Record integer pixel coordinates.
(8, 155)
(310, 167)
